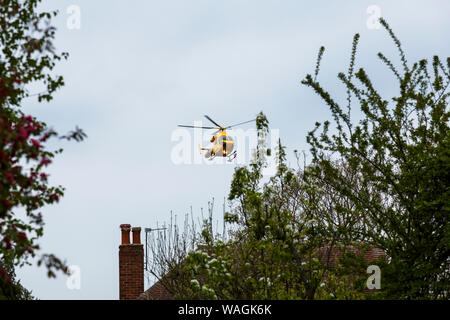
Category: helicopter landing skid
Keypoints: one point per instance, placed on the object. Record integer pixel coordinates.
(232, 156)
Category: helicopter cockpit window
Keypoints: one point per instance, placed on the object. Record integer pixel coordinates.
(226, 139)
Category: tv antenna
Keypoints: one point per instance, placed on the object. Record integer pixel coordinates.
(147, 231)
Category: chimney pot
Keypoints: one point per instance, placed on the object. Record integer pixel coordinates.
(136, 235)
(125, 233)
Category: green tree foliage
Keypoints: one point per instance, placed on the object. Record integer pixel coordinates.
(278, 245)
(399, 153)
(381, 183)
(12, 288)
(27, 57)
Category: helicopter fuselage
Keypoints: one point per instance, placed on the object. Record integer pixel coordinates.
(223, 145)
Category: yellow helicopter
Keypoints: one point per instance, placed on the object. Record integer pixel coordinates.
(223, 144)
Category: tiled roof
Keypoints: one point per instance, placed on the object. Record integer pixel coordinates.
(156, 292)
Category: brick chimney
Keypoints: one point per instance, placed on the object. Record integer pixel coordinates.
(131, 264)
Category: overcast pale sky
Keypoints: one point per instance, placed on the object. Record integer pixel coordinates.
(139, 68)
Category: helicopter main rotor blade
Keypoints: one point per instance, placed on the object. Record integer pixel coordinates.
(213, 121)
(238, 124)
(180, 125)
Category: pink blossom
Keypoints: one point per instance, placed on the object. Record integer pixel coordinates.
(23, 134)
(35, 143)
(4, 275)
(22, 235)
(9, 177)
(45, 161)
(8, 243)
(44, 137)
(30, 179)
